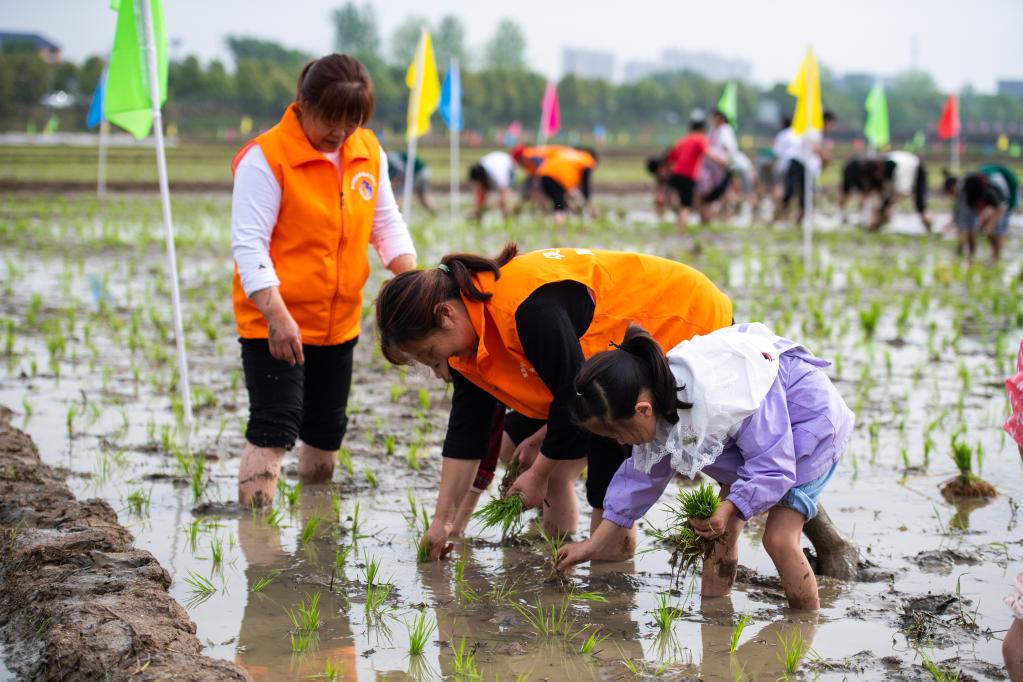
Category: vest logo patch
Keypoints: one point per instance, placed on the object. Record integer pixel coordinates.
(365, 184)
(552, 254)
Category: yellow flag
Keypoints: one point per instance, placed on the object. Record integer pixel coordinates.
(245, 125)
(429, 95)
(806, 88)
(1003, 143)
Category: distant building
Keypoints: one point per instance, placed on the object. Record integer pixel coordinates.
(50, 52)
(592, 64)
(1011, 88)
(707, 64)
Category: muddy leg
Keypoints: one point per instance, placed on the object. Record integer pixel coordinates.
(626, 549)
(719, 568)
(781, 540)
(257, 475)
(837, 557)
(315, 465)
(561, 508)
(1012, 650)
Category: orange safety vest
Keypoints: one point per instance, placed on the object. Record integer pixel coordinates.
(319, 242)
(565, 166)
(672, 301)
(531, 158)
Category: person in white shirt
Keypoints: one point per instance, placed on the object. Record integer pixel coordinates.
(495, 172)
(814, 153)
(310, 195)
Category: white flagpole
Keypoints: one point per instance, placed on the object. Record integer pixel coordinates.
(807, 179)
(541, 133)
(455, 112)
(101, 172)
(955, 141)
(417, 95)
(161, 165)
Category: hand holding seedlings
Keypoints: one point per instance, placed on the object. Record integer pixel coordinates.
(531, 485)
(434, 542)
(714, 526)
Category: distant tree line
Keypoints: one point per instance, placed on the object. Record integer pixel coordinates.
(498, 88)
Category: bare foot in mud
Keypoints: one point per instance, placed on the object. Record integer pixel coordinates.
(257, 475)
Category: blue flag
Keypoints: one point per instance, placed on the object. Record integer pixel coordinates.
(95, 116)
(451, 99)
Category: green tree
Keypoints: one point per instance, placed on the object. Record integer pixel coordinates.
(506, 49)
(449, 42)
(405, 39)
(355, 30)
(243, 47)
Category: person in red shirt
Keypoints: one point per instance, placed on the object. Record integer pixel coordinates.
(684, 162)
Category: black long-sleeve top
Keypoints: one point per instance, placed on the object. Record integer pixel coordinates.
(550, 323)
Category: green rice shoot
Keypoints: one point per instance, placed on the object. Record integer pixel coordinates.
(505, 512)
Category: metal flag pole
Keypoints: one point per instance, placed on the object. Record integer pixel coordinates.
(807, 179)
(455, 113)
(417, 95)
(168, 226)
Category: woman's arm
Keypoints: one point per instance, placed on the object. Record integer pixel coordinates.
(390, 236)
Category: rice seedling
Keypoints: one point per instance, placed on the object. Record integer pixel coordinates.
(733, 642)
(423, 551)
(139, 501)
(665, 614)
(505, 512)
(699, 503)
(216, 550)
(301, 640)
(411, 456)
(332, 670)
(376, 595)
(309, 530)
(397, 391)
(465, 661)
(198, 480)
(549, 621)
(202, 589)
(792, 650)
(503, 591)
(628, 662)
(424, 399)
(305, 616)
(419, 631)
(192, 533)
(274, 517)
(371, 477)
(596, 597)
(967, 484)
(289, 493)
(344, 458)
(265, 581)
(371, 570)
(335, 504)
(413, 517)
(869, 317)
(356, 521)
(462, 589)
(591, 642)
(688, 548)
(551, 543)
(26, 407)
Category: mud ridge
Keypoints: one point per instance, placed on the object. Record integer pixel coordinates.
(77, 600)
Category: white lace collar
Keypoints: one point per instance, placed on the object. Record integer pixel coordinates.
(725, 375)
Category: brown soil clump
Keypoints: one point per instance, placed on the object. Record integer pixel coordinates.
(77, 600)
(966, 487)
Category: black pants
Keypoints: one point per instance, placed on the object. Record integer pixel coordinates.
(795, 183)
(603, 455)
(305, 401)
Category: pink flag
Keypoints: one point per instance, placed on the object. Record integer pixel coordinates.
(550, 118)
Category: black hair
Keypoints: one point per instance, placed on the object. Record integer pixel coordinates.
(975, 190)
(609, 383)
(478, 174)
(697, 126)
(829, 116)
(337, 88)
(786, 122)
(949, 181)
(407, 304)
(722, 115)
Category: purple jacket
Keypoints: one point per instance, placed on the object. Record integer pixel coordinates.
(799, 431)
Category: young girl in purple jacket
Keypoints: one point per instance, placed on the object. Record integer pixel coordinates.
(752, 410)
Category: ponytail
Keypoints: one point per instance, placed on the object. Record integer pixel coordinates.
(406, 308)
(609, 383)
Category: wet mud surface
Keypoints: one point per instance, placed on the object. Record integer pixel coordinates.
(79, 601)
(920, 346)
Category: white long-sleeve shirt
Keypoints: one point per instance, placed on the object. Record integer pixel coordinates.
(256, 202)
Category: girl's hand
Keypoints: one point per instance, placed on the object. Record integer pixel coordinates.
(715, 526)
(574, 553)
(531, 487)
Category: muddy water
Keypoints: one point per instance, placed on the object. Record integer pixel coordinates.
(907, 385)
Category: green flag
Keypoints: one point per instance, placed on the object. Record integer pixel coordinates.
(51, 125)
(729, 103)
(876, 130)
(126, 102)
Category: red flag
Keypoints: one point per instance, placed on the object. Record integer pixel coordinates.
(550, 117)
(948, 124)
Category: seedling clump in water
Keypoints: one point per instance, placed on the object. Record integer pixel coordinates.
(967, 483)
(688, 548)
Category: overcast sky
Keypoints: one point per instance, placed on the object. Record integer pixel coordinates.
(958, 42)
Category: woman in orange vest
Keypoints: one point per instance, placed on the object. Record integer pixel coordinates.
(513, 331)
(310, 195)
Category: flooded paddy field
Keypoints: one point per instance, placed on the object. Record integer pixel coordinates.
(921, 345)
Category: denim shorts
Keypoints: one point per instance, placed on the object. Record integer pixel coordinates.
(804, 498)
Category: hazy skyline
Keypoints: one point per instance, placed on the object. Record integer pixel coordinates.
(956, 47)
